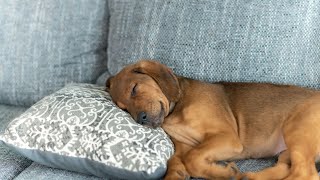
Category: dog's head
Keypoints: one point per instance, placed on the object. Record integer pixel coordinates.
(145, 90)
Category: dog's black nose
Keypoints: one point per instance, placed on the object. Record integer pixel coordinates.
(142, 118)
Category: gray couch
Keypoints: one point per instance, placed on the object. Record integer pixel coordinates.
(45, 44)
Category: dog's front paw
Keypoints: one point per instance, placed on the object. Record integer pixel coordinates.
(177, 175)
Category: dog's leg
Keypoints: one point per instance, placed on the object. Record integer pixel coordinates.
(176, 169)
(201, 160)
(302, 136)
(302, 163)
(279, 171)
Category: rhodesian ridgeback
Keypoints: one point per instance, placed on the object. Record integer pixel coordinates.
(213, 122)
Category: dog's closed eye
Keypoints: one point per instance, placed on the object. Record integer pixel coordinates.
(134, 90)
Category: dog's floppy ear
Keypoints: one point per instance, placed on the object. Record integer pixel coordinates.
(108, 83)
(163, 75)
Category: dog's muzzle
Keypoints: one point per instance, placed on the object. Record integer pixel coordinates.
(150, 120)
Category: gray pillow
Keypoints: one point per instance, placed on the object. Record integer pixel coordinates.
(46, 44)
(79, 128)
(270, 41)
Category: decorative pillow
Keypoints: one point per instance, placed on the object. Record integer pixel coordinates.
(46, 44)
(79, 128)
(270, 41)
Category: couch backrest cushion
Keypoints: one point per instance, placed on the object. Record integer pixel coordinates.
(45, 44)
(260, 41)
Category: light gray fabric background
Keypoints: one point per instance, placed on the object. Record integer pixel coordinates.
(251, 40)
(101, 81)
(46, 44)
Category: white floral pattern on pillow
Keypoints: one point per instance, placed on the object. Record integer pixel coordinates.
(81, 121)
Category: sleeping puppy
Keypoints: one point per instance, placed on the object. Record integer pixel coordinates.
(209, 123)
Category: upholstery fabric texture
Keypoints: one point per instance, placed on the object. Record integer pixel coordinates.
(46, 44)
(79, 128)
(254, 165)
(252, 41)
(40, 172)
(11, 163)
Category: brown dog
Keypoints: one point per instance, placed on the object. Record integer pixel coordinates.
(225, 121)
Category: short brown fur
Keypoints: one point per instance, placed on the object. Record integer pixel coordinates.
(224, 121)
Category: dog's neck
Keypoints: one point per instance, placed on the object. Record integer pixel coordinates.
(172, 105)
